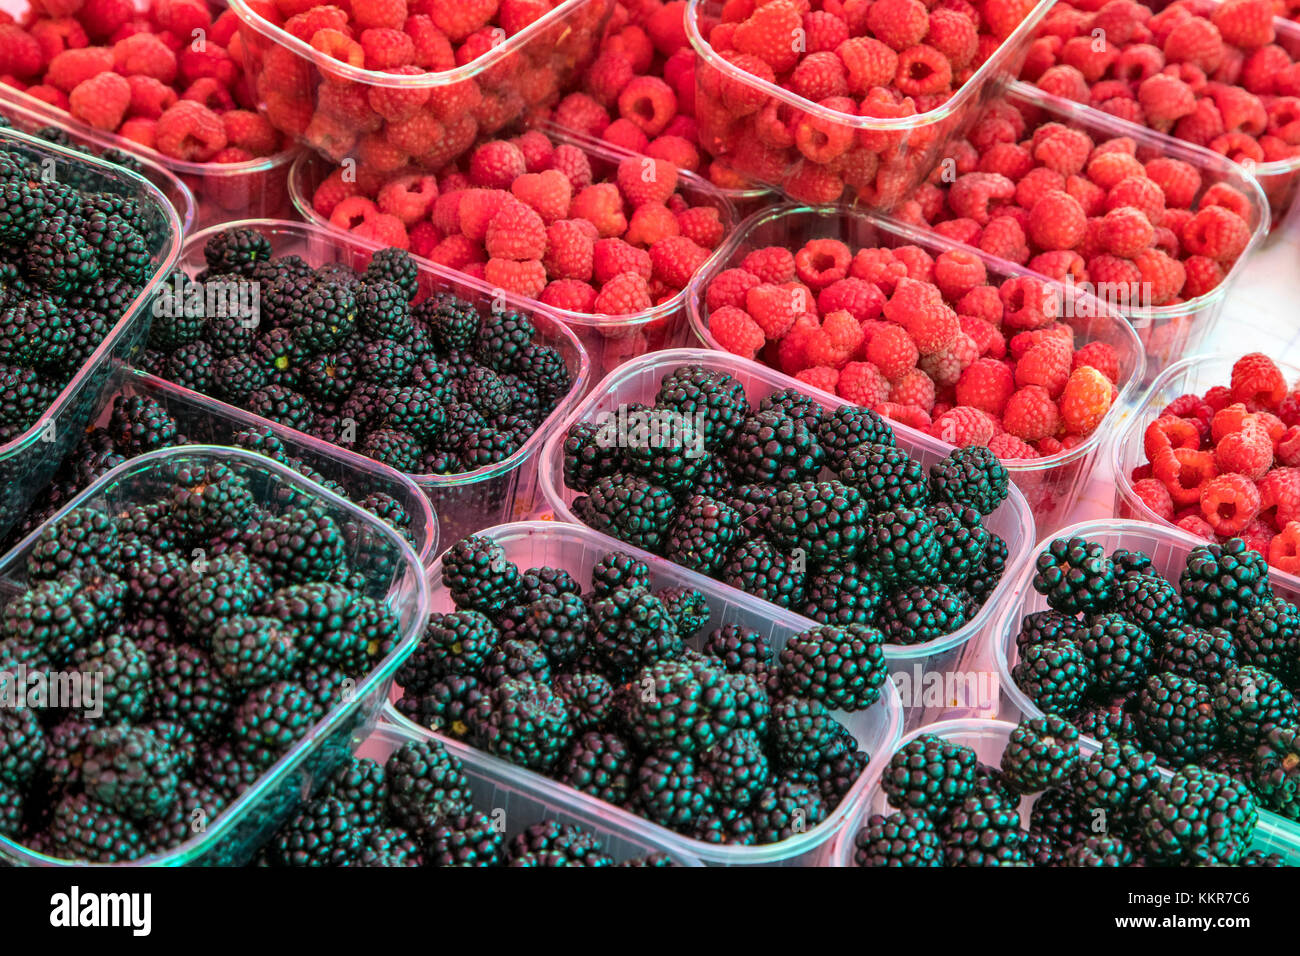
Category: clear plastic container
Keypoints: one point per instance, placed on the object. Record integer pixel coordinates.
(905, 148)
(609, 340)
(296, 85)
(950, 656)
(471, 500)
(220, 191)
(28, 461)
(31, 120)
(1167, 332)
(1193, 375)
(576, 550)
(233, 837)
(498, 787)
(1051, 484)
(989, 738)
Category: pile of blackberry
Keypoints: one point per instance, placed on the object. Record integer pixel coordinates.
(813, 509)
(426, 384)
(223, 615)
(631, 694)
(136, 424)
(1202, 672)
(1107, 808)
(418, 808)
(74, 254)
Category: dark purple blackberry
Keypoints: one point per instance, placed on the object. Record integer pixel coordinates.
(1204, 655)
(753, 702)
(414, 411)
(53, 616)
(34, 333)
(1108, 784)
(279, 352)
(553, 843)
(971, 477)
(504, 339)
(717, 396)
(220, 588)
(1149, 601)
(1108, 720)
(1197, 817)
(79, 540)
(599, 764)
(902, 547)
(739, 767)
(1268, 637)
(83, 829)
(631, 627)
(487, 446)
(1042, 752)
(1175, 717)
(903, 838)
(785, 809)
(207, 499)
(725, 825)
(271, 719)
(387, 847)
(477, 573)
(329, 377)
(793, 403)
(1041, 626)
(588, 696)
(515, 659)
(758, 567)
(445, 706)
(397, 449)
(454, 643)
(1221, 583)
(129, 770)
(1056, 815)
(629, 508)
(615, 570)
(803, 733)
(187, 687)
(320, 834)
(383, 310)
(453, 323)
(236, 377)
(325, 316)
(672, 789)
(425, 783)
(687, 607)
(58, 257)
(837, 776)
(684, 705)
(842, 593)
(546, 581)
(300, 545)
(963, 542)
(362, 786)
(22, 746)
(191, 365)
(1053, 674)
(843, 667)
(176, 313)
(849, 426)
(543, 369)
(771, 446)
(827, 520)
(1275, 772)
(752, 502)
(740, 649)
(522, 721)
(248, 651)
(384, 362)
(471, 838)
(1248, 702)
(886, 477)
(983, 830)
(87, 331)
(236, 250)
(586, 457)
(395, 266)
(282, 404)
(1099, 851)
(922, 613)
(1118, 652)
(126, 675)
(1075, 575)
(558, 625)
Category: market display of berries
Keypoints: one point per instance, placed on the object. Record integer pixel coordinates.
(437, 78)
(60, 137)
(224, 618)
(851, 64)
(168, 76)
(1106, 808)
(1202, 671)
(811, 508)
(1215, 75)
(736, 742)
(1139, 227)
(936, 342)
(418, 808)
(426, 384)
(545, 219)
(1224, 464)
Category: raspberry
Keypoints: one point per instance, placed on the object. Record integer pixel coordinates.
(1155, 496)
(775, 307)
(932, 325)
(773, 264)
(496, 164)
(819, 76)
(729, 288)
(1005, 238)
(963, 426)
(701, 224)
(1257, 381)
(1161, 274)
(1007, 159)
(1284, 549)
(522, 277)
(611, 257)
(957, 272)
(862, 384)
(379, 228)
(1167, 433)
(1057, 222)
(1165, 99)
(1216, 232)
(103, 18)
(1064, 81)
(898, 23)
(643, 179)
(821, 262)
(867, 62)
(182, 17)
(676, 259)
(973, 194)
(245, 130)
(143, 54)
(1030, 414)
(409, 198)
(859, 297)
(625, 294)
(1279, 493)
(569, 251)
(1196, 41)
(986, 384)
(601, 205)
(736, 331)
(1086, 400)
(954, 34)
(648, 103)
(571, 294)
(582, 114)
(1061, 149)
(1046, 364)
(1248, 452)
(1028, 302)
(892, 350)
(1183, 471)
(190, 131)
(546, 193)
(101, 101)
(678, 150)
(1228, 503)
(767, 34)
(923, 70)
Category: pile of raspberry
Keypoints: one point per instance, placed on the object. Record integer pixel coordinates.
(1213, 74)
(541, 219)
(169, 77)
(426, 123)
(1049, 197)
(1227, 463)
(934, 342)
(887, 59)
(639, 93)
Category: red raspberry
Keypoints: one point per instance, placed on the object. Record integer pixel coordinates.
(569, 251)
(1247, 452)
(1229, 502)
(181, 17)
(823, 31)
(101, 101)
(1216, 232)
(650, 223)
(460, 20)
(625, 294)
(455, 252)
(1139, 192)
(1279, 492)
(582, 114)
(963, 426)
(729, 288)
(612, 257)
(1089, 58)
(1010, 448)
(701, 224)
(1126, 231)
(868, 63)
(548, 193)
(1165, 99)
(409, 198)
(189, 131)
(1030, 414)
(1161, 274)
(1061, 149)
(1183, 471)
(103, 18)
(1101, 356)
(602, 205)
(496, 164)
(862, 384)
(920, 264)
(1004, 238)
(923, 71)
(915, 389)
(649, 103)
(383, 229)
(1203, 275)
(877, 266)
(1007, 159)
(1195, 41)
(973, 195)
(773, 264)
(607, 75)
(526, 277)
(573, 162)
(678, 150)
(1046, 364)
(145, 55)
(957, 272)
(1244, 23)
(1057, 222)
(1196, 526)
(1288, 447)
(859, 297)
(1066, 82)
(768, 34)
(892, 350)
(573, 295)
(1179, 180)
(986, 384)
(953, 34)
(1156, 497)
(1167, 433)
(676, 259)
(1028, 302)
(1257, 382)
(821, 377)
(1284, 549)
(946, 366)
(516, 232)
(735, 331)
(775, 307)
(643, 179)
(244, 129)
(821, 262)
(898, 23)
(819, 76)
(987, 338)
(1086, 400)
(73, 67)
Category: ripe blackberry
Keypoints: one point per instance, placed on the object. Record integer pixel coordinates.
(23, 397)
(445, 705)
(1149, 601)
(803, 733)
(1248, 702)
(558, 625)
(386, 362)
(1054, 674)
(503, 340)
(553, 843)
(130, 770)
(740, 649)
(1108, 784)
(126, 675)
(487, 446)
(753, 703)
(81, 828)
(1221, 583)
(701, 534)
(903, 547)
(983, 830)
(771, 447)
(1099, 851)
(717, 396)
(1175, 717)
(617, 569)
(522, 721)
(283, 405)
(963, 542)
(471, 838)
(58, 257)
(756, 566)
(672, 790)
(477, 573)
(1042, 752)
(849, 426)
(1118, 652)
(395, 266)
(725, 825)
(1056, 816)
(599, 764)
(629, 508)
(207, 499)
(843, 667)
(630, 628)
(220, 588)
(300, 545)
(1075, 575)
(587, 695)
(87, 331)
(191, 365)
(1268, 637)
(827, 520)
(970, 477)
(236, 250)
(1043, 626)
(22, 746)
(453, 323)
(1198, 817)
(187, 687)
(836, 776)
(324, 317)
(688, 609)
(425, 783)
(543, 370)
(362, 787)
(1110, 719)
(52, 615)
(923, 613)
(1275, 772)
(785, 809)
(903, 838)
(795, 404)
(683, 704)
(328, 378)
(83, 538)
(272, 718)
(383, 310)
(886, 477)
(518, 660)
(396, 449)
(1203, 654)
(248, 651)
(587, 458)
(387, 847)
(842, 593)
(319, 834)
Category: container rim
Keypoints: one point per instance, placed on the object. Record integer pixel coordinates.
(922, 237)
(958, 101)
(908, 439)
(379, 674)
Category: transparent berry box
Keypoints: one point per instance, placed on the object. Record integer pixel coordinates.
(500, 792)
(989, 738)
(464, 502)
(392, 572)
(885, 158)
(342, 110)
(576, 549)
(1194, 375)
(28, 461)
(609, 340)
(1050, 484)
(28, 118)
(910, 665)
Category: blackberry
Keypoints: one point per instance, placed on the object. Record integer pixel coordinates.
(837, 775)
(324, 317)
(1099, 851)
(1053, 674)
(739, 767)
(725, 825)
(22, 745)
(963, 542)
(1248, 702)
(599, 764)
(1075, 575)
(827, 520)
(568, 843)
(687, 608)
(503, 340)
(395, 266)
(794, 404)
(886, 477)
(191, 365)
(1037, 849)
(329, 377)
(672, 790)
(283, 405)
(1108, 784)
(229, 334)
(336, 625)
(740, 649)
(484, 390)
(1275, 773)
(300, 545)
(248, 651)
(543, 369)
(588, 696)
(1198, 817)
(52, 615)
(683, 705)
(903, 547)
(1150, 602)
(479, 576)
(280, 354)
(615, 570)
(445, 705)
(1204, 655)
(1042, 752)
(187, 687)
(629, 508)
(694, 390)
(237, 377)
(130, 770)
(842, 594)
(558, 625)
(236, 250)
(1108, 720)
(126, 675)
(387, 847)
(362, 787)
(753, 705)
(1221, 583)
(207, 499)
(803, 733)
(87, 331)
(212, 591)
(321, 833)
(1268, 637)
(1118, 652)
(919, 614)
(34, 333)
(971, 477)
(631, 627)
(471, 838)
(515, 659)
(546, 581)
(758, 568)
(849, 426)
(453, 323)
(487, 446)
(983, 830)
(773, 447)
(425, 783)
(416, 412)
(843, 667)
(81, 539)
(385, 362)
(1056, 815)
(396, 449)
(222, 767)
(81, 828)
(1041, 626)
(58, 257)
(522, 721)
(1175, 717)
(785, 809)
(586, 459)
(272, 718)
(383, 310)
